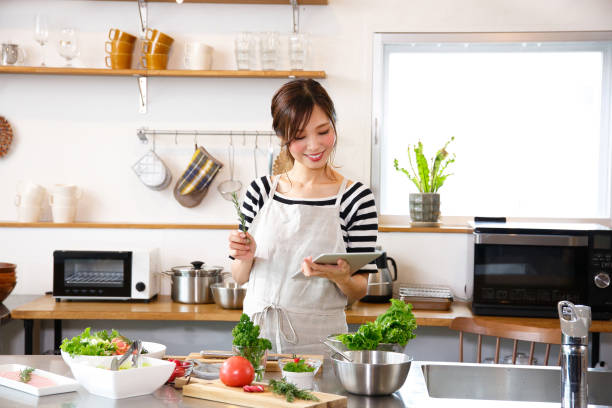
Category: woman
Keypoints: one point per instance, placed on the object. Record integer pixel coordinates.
(309, 210)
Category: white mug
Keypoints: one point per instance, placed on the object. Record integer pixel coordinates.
(198, 56)
(63, 214)
(28, 200)
(28, 213)
(30, 192)
(66, 190)
(62, 200)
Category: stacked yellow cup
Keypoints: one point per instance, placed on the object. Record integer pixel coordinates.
(119, 49)
(155, 49)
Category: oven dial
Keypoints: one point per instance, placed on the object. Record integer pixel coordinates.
(140, 286)
(602, 280)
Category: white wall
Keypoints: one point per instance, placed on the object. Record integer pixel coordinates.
(83, 129)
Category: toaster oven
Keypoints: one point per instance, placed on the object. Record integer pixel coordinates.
(105, 275)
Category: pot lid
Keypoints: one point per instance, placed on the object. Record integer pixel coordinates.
(187, 269)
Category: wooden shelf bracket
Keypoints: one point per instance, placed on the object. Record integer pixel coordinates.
(142, 92)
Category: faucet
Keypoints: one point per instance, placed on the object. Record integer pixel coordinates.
(575, 324)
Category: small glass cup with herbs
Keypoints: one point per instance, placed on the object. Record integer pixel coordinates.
(249, 345)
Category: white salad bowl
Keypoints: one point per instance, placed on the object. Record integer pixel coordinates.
(98, 379)
(303, 380)
(154, 350)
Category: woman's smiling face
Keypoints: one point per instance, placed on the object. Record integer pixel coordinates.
(314, 143)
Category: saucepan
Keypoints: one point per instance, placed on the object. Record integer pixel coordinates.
(192, 284)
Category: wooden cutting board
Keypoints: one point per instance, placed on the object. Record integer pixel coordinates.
(215, 390)
(271, 366)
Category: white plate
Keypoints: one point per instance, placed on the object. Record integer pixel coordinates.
(63, 384)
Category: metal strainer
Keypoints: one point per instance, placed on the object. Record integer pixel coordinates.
(231, 186)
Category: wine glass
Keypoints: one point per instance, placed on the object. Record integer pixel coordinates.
(68, 46)
(41, 34)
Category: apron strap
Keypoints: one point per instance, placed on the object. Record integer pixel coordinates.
(273, 186)
(341, 192)
(282, 317)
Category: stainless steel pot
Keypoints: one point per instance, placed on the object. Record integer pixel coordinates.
(192, 285)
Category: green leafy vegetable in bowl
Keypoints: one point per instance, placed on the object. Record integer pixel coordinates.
(396, 325)
(96, 344)
(298, 365)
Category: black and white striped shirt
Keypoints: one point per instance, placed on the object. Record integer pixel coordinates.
(358, 218)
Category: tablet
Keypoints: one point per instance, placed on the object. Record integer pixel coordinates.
(356, 260)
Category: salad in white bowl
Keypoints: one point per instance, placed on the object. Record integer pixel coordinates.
(89, 346)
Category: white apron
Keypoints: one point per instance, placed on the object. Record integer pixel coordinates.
(295, 312)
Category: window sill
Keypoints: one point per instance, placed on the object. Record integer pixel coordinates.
(443, 228)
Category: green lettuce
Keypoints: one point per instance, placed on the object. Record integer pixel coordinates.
(92, 344)
(396, 325)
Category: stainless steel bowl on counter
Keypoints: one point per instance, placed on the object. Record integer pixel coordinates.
(192, 284)
(228, 295)
(381, 346)
(372, 372)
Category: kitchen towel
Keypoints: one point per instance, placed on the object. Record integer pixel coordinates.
(193, 184)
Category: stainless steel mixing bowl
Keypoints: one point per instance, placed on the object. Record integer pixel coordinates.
(372, 372)
(381, 346)
(228, 295)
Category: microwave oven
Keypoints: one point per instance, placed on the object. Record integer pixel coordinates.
(105, 275)
(524, 269)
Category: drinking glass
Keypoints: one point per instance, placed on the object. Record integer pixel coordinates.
(269, 50)
(297, 51)
(68, 46)
(41, 34)
(242, 47)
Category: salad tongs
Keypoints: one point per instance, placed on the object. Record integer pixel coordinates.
(116, 363)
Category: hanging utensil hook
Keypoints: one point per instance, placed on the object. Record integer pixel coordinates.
(195, 139)
(176, 137)
(153, 141)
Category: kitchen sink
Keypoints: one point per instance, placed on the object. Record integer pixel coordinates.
(507, 382)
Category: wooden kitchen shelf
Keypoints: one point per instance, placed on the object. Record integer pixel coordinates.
(300, 2)
(117, 225)
(160, 73)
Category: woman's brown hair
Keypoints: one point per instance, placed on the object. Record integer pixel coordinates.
(292, 106)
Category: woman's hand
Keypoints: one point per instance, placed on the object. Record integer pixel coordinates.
(339, 273)
(242, 245)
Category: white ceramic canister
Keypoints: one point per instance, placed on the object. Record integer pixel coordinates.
(198, 56)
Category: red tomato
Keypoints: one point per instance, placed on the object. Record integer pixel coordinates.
(236, 371)
(179, 369)
(122, 346)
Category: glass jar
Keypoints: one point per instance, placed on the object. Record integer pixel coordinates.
(256, 356)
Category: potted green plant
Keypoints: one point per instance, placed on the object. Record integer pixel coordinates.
(428, 178)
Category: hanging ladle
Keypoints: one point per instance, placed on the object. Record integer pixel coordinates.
(228, 187)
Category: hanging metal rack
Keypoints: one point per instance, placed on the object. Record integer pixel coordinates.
(143, 133)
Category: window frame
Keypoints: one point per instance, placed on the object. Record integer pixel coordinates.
(382, 41)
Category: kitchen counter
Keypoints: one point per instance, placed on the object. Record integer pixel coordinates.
(12, 302)
(412, 394)
(163, 308)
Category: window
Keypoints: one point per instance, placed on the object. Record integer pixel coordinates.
(530, 114)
